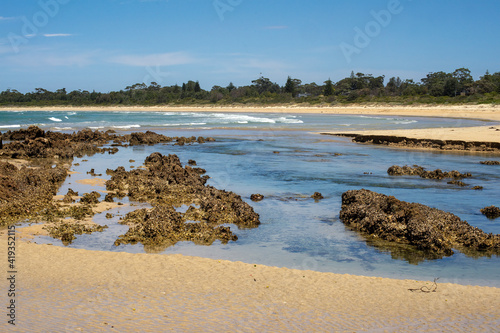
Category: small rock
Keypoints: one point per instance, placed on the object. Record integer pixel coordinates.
(491, 212)
(256, 197)
(317, 196)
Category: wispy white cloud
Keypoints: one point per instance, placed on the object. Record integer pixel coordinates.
(159, 59)
(3, 18)
(57, 35)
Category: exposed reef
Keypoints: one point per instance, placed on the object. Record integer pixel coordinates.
(34, 142)
(417, 170)
(401, 141)
(430, 230)
(166, 184)
(163, 226)
(66, 231)
(27, 192)
(491, 212)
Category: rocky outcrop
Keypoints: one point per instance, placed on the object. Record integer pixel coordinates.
(66, 231)
(34, 142)
(430, 230)
(162, 225)
(166, 184)
(27, 192)
(491, 212)
(147, 138)
(256, 197)
(490, 162)
(401, 141)
(420, 171)
(317, 196)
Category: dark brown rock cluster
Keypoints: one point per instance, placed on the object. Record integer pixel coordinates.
(490, 162)
(417, 170)
(34, 142)
(317, 196)
(428, 229)
(27, 192)
(491, 212)
(164, 226)
(66, 231)
(166, 184)
(256, 197)
(401, 141)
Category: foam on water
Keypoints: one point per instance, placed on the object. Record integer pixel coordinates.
(126, 126)
(55, 119)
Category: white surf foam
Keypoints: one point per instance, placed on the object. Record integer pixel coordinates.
(127, 126)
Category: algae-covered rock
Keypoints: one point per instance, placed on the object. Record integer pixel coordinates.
(491, 212)
(91, 198)
(66, 231)
(417, 170)
(165, 183)
(162, 225)
(27, 192)
(428, 229)
(256, 197)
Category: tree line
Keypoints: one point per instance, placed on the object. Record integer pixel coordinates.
(437, 87)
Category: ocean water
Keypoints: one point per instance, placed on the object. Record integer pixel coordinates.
(280, 156)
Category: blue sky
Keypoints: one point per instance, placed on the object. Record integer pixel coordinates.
(106, 45)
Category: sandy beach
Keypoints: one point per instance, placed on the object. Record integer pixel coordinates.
(72, 290)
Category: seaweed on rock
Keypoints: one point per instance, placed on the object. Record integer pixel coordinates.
(417, 170)
(430, 230)
(166, 184)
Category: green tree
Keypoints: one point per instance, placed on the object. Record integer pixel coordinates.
(464, 80)
(230, 87)
(263, 85)
(394, 85)
(197, 87)
(436, 82)
(291, 86)
(328, 89)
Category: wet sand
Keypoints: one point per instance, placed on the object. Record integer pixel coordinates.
(62, 289)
